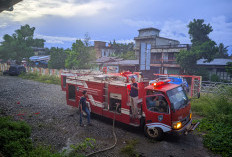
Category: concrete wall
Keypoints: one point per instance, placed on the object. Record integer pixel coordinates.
(163, 41)
(42, 71)
(145, 33)
(107, 52)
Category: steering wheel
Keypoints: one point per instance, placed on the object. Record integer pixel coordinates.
(153, 108)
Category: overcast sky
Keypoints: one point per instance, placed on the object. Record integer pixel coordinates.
(61, 22)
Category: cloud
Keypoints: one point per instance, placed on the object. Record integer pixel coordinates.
(3, 25)
(175, 29)
(222, 30)
(55, 39)
(28, 9)
(139, 23)
(125, 41)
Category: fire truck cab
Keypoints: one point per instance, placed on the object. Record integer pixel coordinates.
(166, 108)
(162, 107)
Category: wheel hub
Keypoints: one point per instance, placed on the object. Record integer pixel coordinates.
(153, 132)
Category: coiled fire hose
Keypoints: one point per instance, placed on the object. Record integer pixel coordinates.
(115, 138)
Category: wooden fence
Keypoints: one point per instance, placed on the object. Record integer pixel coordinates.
(42, 71)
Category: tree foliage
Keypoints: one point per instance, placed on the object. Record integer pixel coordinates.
(57, 59)
(199, 31)
(121, 49)
(222, 51)
(202, 47)
(130, 55)
(80, 56)
(18, 45)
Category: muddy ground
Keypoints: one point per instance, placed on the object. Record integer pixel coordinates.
(55, 123)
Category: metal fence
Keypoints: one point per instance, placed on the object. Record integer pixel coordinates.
(214, 87)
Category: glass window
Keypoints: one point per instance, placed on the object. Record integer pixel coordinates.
(157, 104)
(177, 97)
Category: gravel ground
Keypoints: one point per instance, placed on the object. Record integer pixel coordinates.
(55, 123)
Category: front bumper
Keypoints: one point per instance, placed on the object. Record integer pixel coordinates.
(187, 128)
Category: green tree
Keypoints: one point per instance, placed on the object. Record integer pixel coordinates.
(18, 45)
(129, 55)
(80, 56)
(222, 51)
(57, 60)
(202, 48)
(121, 49)
(199, 31)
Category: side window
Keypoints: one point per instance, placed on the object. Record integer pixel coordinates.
(157, 104)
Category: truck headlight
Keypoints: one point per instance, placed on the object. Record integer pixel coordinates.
(177, 125)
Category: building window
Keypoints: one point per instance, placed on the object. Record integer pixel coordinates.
(155, 58)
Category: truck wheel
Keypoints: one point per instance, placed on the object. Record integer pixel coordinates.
(153, 133)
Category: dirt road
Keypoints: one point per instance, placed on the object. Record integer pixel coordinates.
(54, 123)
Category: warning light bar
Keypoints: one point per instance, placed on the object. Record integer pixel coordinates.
(160, 83)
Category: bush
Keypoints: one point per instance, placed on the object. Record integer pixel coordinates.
(129, 149)
(15, 141)
(215, 78)
(14, 137)
(217, 121)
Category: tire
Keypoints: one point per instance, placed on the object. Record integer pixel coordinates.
(153, 133)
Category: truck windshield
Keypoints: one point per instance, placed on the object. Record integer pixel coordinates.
(177, 97)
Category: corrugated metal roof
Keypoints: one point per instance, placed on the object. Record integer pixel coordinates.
(219, 61)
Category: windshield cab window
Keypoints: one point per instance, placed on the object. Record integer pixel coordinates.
(177, 97)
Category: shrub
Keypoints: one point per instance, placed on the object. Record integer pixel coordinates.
(129, 149)
(15, 141)
(14, 137)
(217, 121)
(215, 78)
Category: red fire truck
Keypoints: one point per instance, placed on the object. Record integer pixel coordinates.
(162, 107)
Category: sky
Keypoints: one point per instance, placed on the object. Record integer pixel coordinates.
(61, 22)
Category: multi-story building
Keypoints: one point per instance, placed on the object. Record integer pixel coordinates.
(102, 50)
(157, 54)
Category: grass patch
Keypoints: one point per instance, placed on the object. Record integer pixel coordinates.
(41, 78)
(129, 149)
(217, 122)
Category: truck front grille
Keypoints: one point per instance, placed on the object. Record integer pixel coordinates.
(185, 120)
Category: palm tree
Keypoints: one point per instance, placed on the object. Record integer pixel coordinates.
(222, 51)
